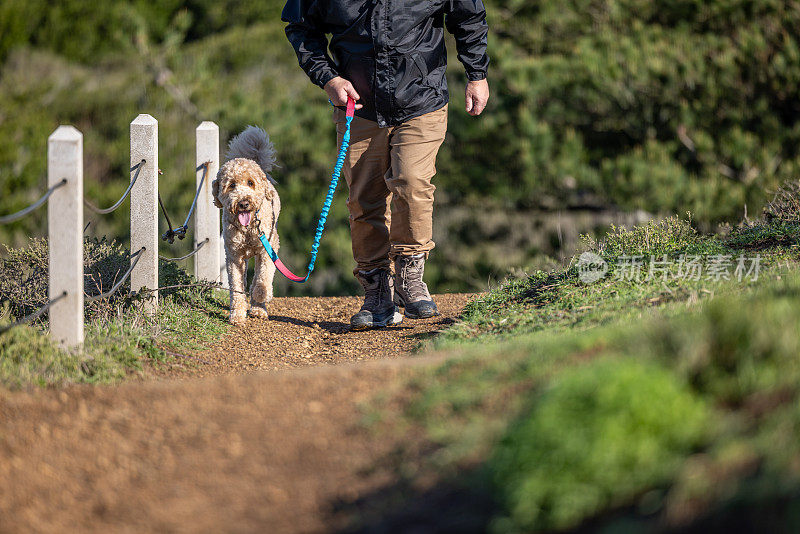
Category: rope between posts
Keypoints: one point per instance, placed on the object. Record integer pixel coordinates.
(170, 234)
(114, 289)
(22, 213)
(189, 255)
(180, 231)
(106, 211)
(204, 166)
(33, 316)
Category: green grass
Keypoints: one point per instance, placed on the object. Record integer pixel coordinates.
(120, 339)
(558, 300)
(626, 406)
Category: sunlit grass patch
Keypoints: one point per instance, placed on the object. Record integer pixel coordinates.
(648, 270)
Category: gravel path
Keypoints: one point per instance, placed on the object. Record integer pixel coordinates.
(311, 331)
(217, 447)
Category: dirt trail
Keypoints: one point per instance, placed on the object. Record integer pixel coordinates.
(302, 332)
(220, 449)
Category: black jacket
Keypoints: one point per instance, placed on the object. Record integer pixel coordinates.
(391, 50)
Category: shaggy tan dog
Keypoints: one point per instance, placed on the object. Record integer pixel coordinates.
(250, 205)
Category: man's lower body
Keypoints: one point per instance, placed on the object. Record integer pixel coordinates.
(389, 173)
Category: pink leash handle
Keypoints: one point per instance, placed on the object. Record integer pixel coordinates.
(289, 274)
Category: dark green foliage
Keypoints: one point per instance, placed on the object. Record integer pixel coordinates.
(84, 31)
(602, 434)
(664, 106)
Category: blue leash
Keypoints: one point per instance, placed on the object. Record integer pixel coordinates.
(326, 206)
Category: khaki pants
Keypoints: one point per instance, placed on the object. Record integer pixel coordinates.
(389, 172)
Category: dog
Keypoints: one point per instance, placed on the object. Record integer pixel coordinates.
(245, 191)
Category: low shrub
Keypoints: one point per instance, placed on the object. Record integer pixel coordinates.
(758, 237)
(653, 238)
(602, 434)
(119, 337)
(785, 205)
(24, 276)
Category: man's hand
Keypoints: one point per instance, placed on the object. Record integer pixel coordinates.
(477, 96)
(339, 89)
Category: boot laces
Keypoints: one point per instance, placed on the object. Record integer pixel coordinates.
(375, 284)
(411, 271)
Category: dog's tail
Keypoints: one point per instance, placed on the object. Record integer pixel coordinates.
(254, 144)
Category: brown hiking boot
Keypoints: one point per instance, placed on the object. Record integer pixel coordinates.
(378, 309)
(411, 292)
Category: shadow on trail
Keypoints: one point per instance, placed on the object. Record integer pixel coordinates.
(425, 336)
(463, 505)
(334, 327)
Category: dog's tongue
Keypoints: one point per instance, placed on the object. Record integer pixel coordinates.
(244, 218)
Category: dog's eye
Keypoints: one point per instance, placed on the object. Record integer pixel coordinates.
(232, 186)
(251, 183)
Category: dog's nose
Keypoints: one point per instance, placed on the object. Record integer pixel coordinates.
(244, 205)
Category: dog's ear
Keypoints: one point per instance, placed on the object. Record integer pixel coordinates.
(215, 193)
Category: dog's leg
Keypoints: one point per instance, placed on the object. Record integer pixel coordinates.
(262, 286)
(237, 271)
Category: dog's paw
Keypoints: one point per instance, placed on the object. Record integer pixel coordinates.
(260, 293)
(238, 320)
(259, 312)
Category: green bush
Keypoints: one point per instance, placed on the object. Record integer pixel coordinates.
(28, 357)
(588, 401)
(601, 435)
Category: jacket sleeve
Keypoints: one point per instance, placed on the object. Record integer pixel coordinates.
(466, 20)
(305, 33)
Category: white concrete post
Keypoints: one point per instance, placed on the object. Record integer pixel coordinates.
(206, 215)
(223, 269)
(144, 207)
(65, 235)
